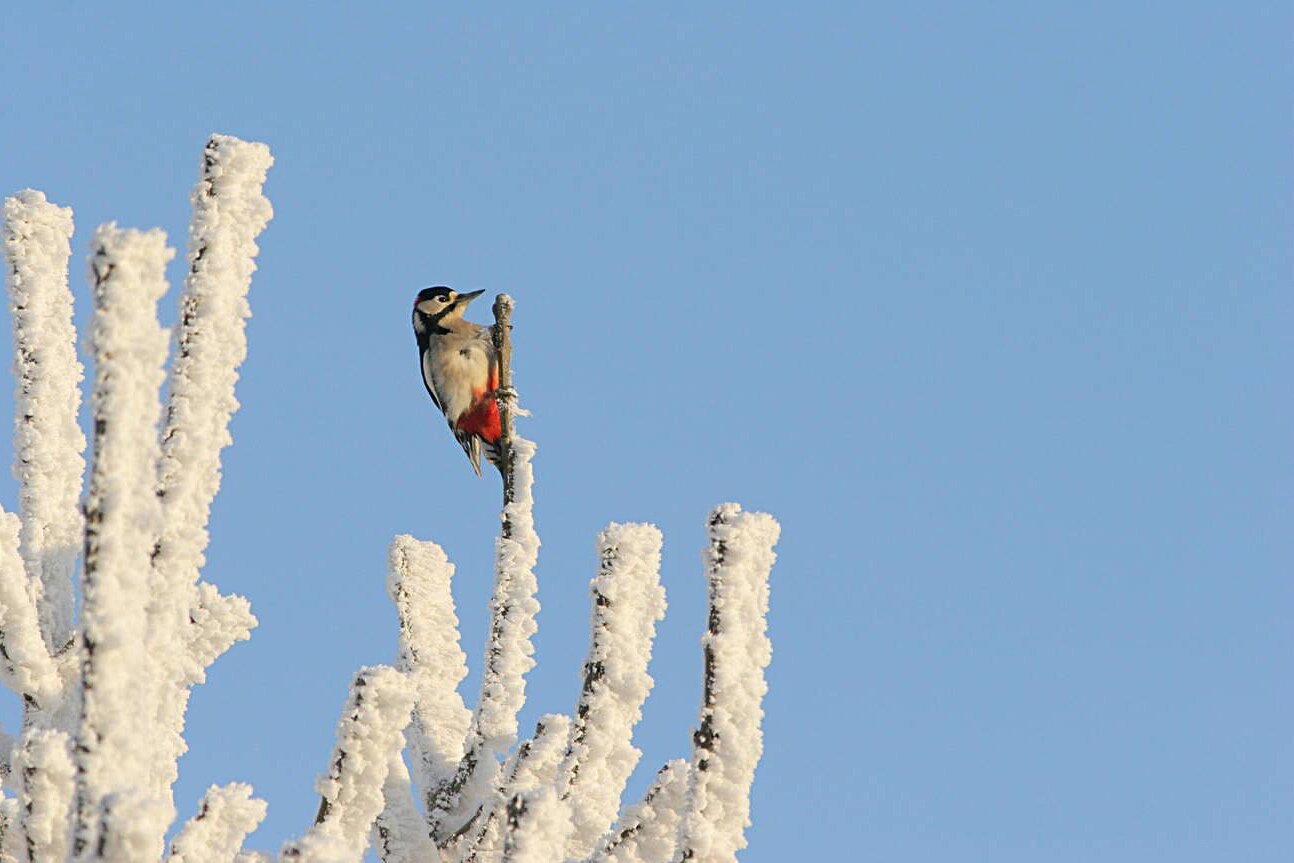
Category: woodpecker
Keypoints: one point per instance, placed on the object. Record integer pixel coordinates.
(459, 370)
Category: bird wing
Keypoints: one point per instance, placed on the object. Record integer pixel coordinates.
(429, 380)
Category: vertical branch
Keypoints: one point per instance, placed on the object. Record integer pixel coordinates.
(11, 844)
(369, 734)
(535, 765)
(45, 773)
(538, 827)
(508, 653)
(229, 212)
(648, 830)
(727, 744)
(627, 601)
(400, 833)
(48, 442)
(25, 664)
(114, 741)
(501, 333)
(215, 835)
(418, 582)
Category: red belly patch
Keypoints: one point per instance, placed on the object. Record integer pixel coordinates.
(482, 419)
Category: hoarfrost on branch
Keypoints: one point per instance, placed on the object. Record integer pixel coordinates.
(89, 775)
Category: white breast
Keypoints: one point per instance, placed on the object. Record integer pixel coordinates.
(459, 367)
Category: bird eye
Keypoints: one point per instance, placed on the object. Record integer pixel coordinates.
(442, 299)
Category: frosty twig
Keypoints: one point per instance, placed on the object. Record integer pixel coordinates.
(454, 802)
(727, 744)
(627, 602)
(215, 835)
(369, 734)
(25, 664)
(43, 764)
(648, 830)
(48, 443)
(188, 627)
(418, 582)
(115, 815)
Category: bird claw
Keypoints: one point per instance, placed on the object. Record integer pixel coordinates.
(506, 393)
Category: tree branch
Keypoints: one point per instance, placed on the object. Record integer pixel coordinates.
(48, 442)
(627, 602)
(114, 745)
(506, 396)
(727, 744)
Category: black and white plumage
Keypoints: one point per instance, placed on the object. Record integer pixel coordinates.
(459, 370)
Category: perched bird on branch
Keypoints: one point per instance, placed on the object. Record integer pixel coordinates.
(460, 370)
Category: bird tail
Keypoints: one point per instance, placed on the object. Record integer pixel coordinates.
(494, 453)
(471, 445)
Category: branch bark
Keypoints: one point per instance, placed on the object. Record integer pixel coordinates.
(727, 744)
(506, 397)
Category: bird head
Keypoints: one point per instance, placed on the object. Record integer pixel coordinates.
(434, 305)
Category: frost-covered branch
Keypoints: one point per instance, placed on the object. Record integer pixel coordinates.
(215, 835)
(116, 816)
(513, 606)
(508, 652)
(727, 744)
(538, 827)
(535, 765)
(627, 602)
(48, 443)
(418, 582)
(229, 212)
(369, 734)
(400, 832)
(216, 621)
(25, 664)
(11, 844)
(648, 831)
(508, 656)
(43, 765)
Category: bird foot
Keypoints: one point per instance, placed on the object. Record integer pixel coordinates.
(506, 393)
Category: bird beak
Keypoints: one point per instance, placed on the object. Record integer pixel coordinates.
(464, 299)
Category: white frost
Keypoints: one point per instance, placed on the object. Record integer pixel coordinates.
(728, 743)
(400, 832)
(115, 788)
(534, 766)
(11, 844)
(229, 212)
(648, 830)
(25, 665)
(43, 765)
(218, 620)
(215, 835)
(539, 827)
(627, 601)
(418, 582)
(48, 442)
(369, 734)
(508, 655)
(509, 650)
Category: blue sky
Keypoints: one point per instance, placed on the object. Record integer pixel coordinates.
(991, 308)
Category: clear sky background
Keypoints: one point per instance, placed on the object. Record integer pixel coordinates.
(991, 308)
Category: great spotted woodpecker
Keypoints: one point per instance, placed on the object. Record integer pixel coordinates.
(459, 370)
